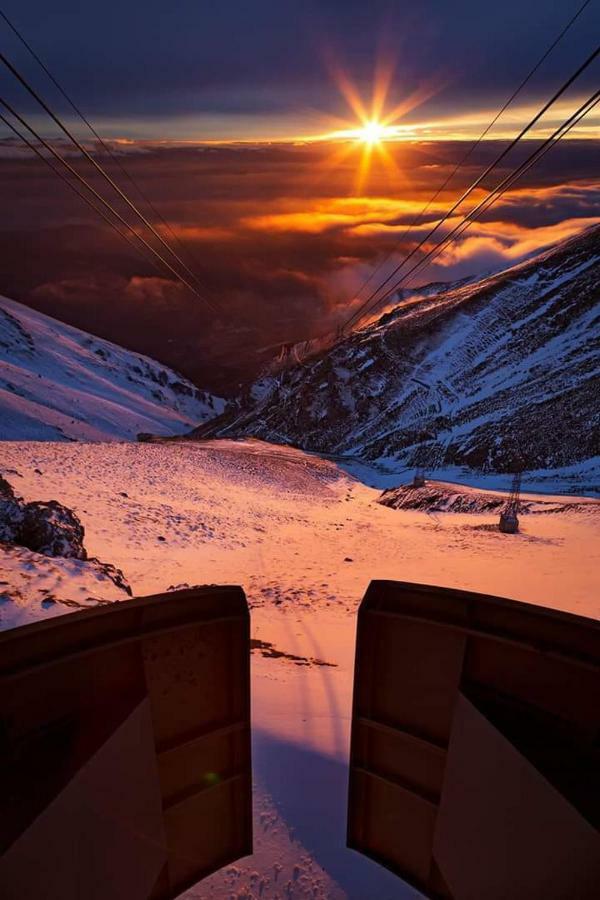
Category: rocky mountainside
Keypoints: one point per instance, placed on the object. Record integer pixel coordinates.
(492, 374)
(441, 497)
(60, 383)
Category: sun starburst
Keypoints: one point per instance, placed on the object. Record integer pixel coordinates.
(375, 123)
(372, 133)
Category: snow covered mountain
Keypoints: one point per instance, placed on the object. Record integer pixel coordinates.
(60, 383)
(491, 374)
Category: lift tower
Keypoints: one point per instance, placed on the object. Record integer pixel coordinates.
(509, 518)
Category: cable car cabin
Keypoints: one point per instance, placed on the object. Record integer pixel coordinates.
(475, 751)
(125, 748)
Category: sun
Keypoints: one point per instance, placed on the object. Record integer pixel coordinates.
(376, 129)
(372, 133)
(369, 137)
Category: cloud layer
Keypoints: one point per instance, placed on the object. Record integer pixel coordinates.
(279, 234)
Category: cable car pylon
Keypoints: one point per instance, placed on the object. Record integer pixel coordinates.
(509, 517)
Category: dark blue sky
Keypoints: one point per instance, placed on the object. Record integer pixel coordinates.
(258, 68)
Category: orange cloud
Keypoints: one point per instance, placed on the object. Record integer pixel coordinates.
(198, 232)
(308, 222)
(350, 213)
(384, 218)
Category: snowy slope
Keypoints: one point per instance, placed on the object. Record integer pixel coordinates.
(304, 540)
(488, 374)
(60, 383)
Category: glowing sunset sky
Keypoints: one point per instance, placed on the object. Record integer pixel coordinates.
(289, 145)
(281, 69)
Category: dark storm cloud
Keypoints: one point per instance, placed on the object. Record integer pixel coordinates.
(151, 60)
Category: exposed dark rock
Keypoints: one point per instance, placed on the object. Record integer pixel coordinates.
(438, 497)
(52, 529)
(11, 512)
(116, 575)
(6, 491)
(48, 528)
(44, 527)
(14, 336)
(179, 387)
(267, 649)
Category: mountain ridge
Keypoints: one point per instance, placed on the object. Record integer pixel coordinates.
(496, 374)
(58, 382)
